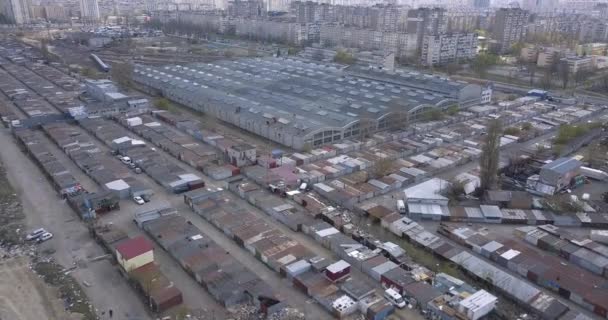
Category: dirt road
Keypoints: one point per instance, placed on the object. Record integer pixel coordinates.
(72, 244)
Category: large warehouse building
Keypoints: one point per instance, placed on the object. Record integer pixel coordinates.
(302, 104)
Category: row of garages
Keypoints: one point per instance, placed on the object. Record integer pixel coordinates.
(384, 264)
(519, 290)
(327, 282)
(162, 170)
(580, 286)
(226, 279)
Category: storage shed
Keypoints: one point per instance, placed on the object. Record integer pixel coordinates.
(337, 271)
(134, 253)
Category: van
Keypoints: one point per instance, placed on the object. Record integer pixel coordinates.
(394, 297)
(401, 206)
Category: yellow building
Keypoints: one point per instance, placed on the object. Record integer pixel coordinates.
(134, 253)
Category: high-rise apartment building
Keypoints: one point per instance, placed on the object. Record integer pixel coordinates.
(509, 27)
(481, 4)
(15, 11)
(89, 11)
(247, 8)
(446, 48)
(427, 21)
(540, 6)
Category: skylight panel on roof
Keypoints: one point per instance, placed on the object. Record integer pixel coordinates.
(372, 110)
(428, 97)
(322, 113)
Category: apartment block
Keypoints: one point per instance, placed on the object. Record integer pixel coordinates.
(426, 21)
(89, 11)
(16, 11)
(576, 64)
(509, 27)
(547, 56)
(447, 48)
(402, 44)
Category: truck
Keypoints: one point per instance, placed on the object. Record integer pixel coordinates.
(401, 206)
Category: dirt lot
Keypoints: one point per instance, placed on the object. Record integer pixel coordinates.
(23, 295)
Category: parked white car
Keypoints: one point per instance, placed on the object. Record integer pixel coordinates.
(35, 234)
(126, 160)
(44, 237)
(139, 200)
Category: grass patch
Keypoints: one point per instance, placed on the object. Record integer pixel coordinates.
(70, 290)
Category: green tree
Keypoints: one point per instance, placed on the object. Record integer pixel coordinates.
(488, 162)
(512, 131)
(88, 72)
(567, 132)
(482, 62)
(516, 48)
(162, 103)
(293, 51)
(452, 110)
(432, 115)
(344, 57)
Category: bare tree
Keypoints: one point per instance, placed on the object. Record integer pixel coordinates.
(454, 190)
(122, 73)
(546, 81)
(488, 162)
(532, 71)
(564, 73)
(318, 55)
(452, 68)
(382, 167)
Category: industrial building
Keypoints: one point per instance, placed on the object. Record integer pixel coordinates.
(302, 104)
